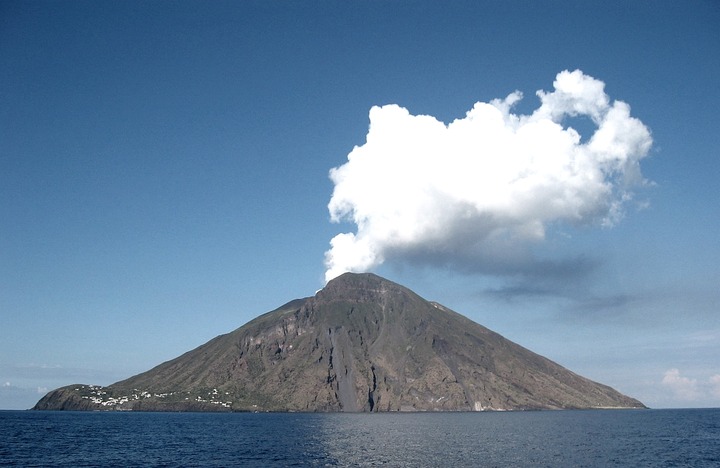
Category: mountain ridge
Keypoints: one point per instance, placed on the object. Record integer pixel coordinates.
(362, 343)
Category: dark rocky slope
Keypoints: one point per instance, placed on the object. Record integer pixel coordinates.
(360, 344)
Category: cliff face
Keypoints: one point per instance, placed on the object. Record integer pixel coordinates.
(360, 344)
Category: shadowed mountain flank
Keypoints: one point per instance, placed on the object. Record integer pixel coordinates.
(362, 343)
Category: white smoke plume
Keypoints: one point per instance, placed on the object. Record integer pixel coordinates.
(483, 189)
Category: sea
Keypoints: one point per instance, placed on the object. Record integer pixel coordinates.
(590, 438)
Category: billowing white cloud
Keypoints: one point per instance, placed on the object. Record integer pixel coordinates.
(480, 191)
(684, 388)
(715, 386)
(692, 389)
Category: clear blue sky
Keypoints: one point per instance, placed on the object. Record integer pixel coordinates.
(164, 177)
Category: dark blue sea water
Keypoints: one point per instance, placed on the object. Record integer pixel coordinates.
(549, 438)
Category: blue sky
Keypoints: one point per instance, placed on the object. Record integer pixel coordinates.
(164, 178)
